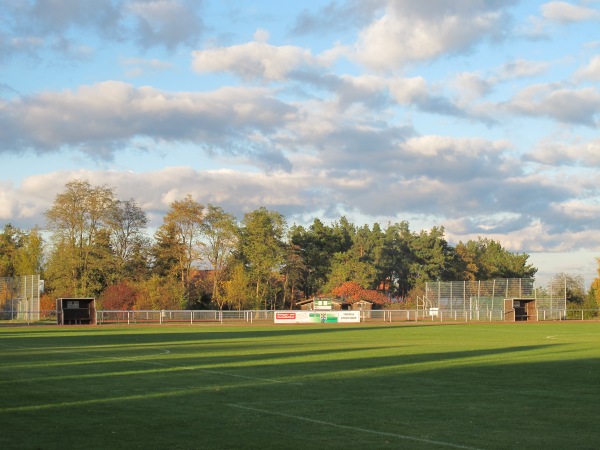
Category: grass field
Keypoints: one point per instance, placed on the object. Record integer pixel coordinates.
(487, 386)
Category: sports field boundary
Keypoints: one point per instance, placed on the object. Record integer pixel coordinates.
(262, 317)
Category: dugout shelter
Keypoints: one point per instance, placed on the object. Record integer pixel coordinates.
(521, 309)
(76, 311)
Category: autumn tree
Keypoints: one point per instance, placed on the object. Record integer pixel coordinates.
(183, 223)
(262, 248)
(30, 254)
(220, 234)
(119, 296)
(21, 252)
(293, 270)
(348, 289)
(47, 306)
(165, 252)
(75, 219)
(353, 292)
(103, 266)
(127, 222)
(571, 285)
(594, 292)
(236, 292)
(160, 293)
(9, 244)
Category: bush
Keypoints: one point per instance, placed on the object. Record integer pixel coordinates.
(353, 292)
(121, 296)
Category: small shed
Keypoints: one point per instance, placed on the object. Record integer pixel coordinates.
(520, 309)
(361, 305)
(76, 311)
(320, 304)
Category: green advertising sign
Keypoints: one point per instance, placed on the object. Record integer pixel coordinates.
(322, 304)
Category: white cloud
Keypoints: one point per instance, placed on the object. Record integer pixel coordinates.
(579, 209)
(574, 106)
(135, 67)
(254, 60)
(565, 12)
(24, 205)
(441, 146)
(408, 90)
(556, 153)
(591, 72)
(166, 22)
(337, 17)
(471, 86)
(415, 31)
(104, 116)
(534, 28)
(74, 28)
(261, 35)
(520, 68)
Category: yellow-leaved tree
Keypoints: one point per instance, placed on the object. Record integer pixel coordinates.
(595, 288)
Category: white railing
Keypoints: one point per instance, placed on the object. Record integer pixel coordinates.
(267, 316)
(185, 316)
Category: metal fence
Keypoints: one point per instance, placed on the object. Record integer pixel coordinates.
(20, 297)
(266, 317)
(484, 296)
(28, 317)
(182, 317)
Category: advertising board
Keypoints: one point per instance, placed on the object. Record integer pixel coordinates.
(317, 317)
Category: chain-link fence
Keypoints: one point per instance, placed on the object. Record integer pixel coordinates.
(487, 298)
(20, 298)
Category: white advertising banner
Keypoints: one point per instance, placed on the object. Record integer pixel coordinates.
(317, 316)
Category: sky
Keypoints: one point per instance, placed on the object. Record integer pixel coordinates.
(480, 116)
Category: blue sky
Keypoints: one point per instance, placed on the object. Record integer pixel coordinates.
(479, 116)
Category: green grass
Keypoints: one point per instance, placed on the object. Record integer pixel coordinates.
(491, 386)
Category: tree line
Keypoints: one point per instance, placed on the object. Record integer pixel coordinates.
(96, 245)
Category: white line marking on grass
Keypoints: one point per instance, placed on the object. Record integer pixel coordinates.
(270, 380)
(574, 337)
(153, 363)
(163, 351)
(361, 430)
